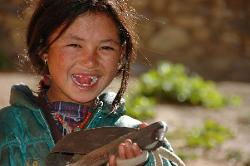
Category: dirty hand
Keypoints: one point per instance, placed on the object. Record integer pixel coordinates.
(127, 150)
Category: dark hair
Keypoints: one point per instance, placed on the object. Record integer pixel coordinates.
(49, 15)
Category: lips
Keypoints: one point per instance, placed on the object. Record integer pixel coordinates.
(84, 80)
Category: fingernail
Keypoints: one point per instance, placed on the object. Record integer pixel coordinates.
(135, 144)
(128, 141)
(137, 147)
(121, 146)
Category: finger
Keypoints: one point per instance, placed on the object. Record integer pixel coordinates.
(121, 151)
(112, 160)
(129, 153)
(136, 149)
(143, 125)
(129, 141)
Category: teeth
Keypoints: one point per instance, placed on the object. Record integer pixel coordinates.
(94, 79)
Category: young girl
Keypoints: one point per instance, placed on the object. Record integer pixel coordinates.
(78, 46)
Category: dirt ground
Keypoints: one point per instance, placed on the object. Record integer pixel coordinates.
(187, 117)
(237, 119)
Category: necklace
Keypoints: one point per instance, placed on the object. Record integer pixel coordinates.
(69, 116)
(69, 128)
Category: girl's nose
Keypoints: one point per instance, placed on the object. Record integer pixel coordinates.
(89, 58)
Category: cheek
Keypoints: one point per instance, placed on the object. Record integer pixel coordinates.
(110, 61)
(58, 63)
(111, 65)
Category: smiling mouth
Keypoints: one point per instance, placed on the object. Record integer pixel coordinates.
(84, 81)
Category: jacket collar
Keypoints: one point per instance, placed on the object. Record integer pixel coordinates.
(22, 95)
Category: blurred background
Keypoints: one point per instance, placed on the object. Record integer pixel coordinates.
(192, 72)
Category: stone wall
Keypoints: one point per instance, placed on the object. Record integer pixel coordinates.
(211, 37)
(12, 32)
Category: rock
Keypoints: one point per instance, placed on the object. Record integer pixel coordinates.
(169, 38)
(190, 21)
(247, 48)
(202, 34)
(175, 7)
(147, 30)
(140, 4)
(158, 6)
(230, 38)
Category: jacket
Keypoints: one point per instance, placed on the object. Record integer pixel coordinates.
(25, 137)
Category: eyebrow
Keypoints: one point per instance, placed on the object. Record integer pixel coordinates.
(110, 40)
(74, 37)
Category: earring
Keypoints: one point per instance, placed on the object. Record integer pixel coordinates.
(119, 66)
(46, 62)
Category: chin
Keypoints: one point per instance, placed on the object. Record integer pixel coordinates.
(83, 99)
(84, 95)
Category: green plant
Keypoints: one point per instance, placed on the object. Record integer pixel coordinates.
(209, 136)
(140, 107)
(234, 155)
(172, 82)
(185, 154)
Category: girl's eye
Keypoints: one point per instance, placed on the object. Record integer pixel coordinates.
(74, 45)
(107, 48)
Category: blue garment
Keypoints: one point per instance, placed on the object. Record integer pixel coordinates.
(25, 137)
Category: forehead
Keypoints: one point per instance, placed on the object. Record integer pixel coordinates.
(91, 26)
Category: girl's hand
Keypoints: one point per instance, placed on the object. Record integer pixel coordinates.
(127, 150)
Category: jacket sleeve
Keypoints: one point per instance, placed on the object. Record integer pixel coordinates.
(23, 141)
(9, 143)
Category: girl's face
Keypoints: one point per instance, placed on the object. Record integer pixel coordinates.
(84, 60)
